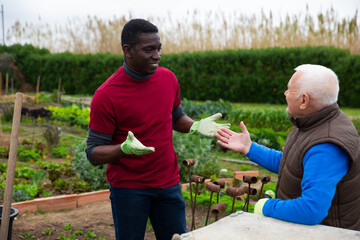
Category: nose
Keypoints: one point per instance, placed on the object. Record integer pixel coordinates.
(157, 55)
(286, 92)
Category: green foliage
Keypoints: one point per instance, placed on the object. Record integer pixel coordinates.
(71, 185)
(273, 118)
(25, 172)
(197, 147)
(61, 185)
(95, 176)
(27, 235)
(356, 122)
(73, 115)
(3, 167)
(47, 231)
(207, 108)
(26, 155)
(24, 191)
(90, 235)
(4, 153)
(59, 152)
(67, 227)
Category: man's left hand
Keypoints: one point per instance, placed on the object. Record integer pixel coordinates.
(260, 204)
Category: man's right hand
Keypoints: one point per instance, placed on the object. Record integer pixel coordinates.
(133, 146)
(239, 142)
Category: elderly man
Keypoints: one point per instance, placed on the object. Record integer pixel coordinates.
(319, 170)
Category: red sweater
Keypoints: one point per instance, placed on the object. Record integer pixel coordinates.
(123, 104)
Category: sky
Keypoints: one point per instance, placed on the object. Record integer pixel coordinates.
(59, 11)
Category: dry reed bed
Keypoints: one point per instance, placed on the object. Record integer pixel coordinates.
(197, 32)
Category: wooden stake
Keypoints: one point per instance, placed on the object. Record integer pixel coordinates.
(5, 216)
(37, 90)
(59, 92)
(7, 84)
(1, 133)
(0, 84)
(12, 85)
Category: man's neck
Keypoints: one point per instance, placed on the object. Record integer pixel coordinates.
(134, 74)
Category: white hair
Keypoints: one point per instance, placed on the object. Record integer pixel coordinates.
(320, 83)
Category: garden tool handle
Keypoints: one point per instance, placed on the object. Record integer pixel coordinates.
(10, 175)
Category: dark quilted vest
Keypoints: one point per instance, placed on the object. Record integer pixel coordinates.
(328, 125)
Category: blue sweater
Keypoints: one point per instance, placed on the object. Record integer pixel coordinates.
(324, 166)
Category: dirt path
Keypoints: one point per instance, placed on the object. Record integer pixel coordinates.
(95, 217)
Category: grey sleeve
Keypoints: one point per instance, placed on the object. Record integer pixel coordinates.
(177, 113)
(95, 139)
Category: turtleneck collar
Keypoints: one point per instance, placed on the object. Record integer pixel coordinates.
(134, 74)
(316, 118)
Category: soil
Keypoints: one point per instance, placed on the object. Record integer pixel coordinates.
(95, 217)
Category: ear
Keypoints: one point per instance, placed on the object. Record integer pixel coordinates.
(305, 101)
(127, 50)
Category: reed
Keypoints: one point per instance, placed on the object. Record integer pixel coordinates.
(197, 32)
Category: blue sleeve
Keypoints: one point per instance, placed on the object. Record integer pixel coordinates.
(324, 166)
(265, 157)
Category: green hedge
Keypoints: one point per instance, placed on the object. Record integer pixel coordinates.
(255, 75)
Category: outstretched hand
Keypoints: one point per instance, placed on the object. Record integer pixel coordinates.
(208, 126)
(133, 146)
(239, 142)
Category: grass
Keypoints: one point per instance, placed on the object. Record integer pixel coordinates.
(191, 33)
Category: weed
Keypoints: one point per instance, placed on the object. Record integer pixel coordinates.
(46, 231)
(90, 235)
(67, 227)
(27, 236)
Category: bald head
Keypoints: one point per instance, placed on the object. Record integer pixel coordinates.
(319, 82)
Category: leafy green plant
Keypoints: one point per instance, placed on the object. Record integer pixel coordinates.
(47, 231)
(28, 155)
(67, 227)
(94, 175)
(24, 191)
(80, 186)
(90, 235)
(25, 172)
(61, 185)
(27, 236)
(59, 152)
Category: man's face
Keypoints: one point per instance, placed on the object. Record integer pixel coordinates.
(292, 98)
(145, 55)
